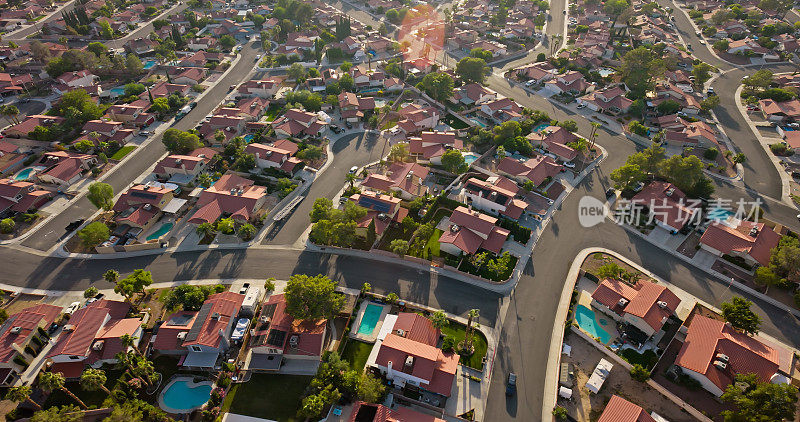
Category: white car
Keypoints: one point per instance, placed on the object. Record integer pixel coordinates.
(582, 105)
(569, 165)
(240, 329)
(72, 308)
(353, 169)
(530, 83)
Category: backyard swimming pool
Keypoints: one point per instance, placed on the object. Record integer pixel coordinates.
(371, 315)
(24, 174)
(183, 395)
(588, 320)
(149, 64)
(541, 127)
(719, 214)
(166, 227)
(470, 157)
(478, 122)
(118, 91)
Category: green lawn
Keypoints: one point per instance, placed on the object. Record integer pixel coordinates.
(269, 396)
(454, 122)
(356, 352)
(648, 359)
(432, 247)
(123, 152)
(458, 332)
(272, 112)
(91, 398)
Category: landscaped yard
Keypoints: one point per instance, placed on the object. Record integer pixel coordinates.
(272, 112)
(432, 247)
(454, 122)
(122, 152)
(356, 352)
(648, 359)
(458, 332)
(269, 396)
(91, 398)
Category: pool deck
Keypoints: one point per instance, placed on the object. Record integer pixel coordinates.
(371, 337)
(192, 384)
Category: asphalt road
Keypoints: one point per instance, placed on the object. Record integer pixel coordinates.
(25, 109)
(47, 235)
(23, 33)
(357, 149)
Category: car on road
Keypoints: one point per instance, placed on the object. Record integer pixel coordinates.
(72, 308)
(530, 83)
(74, 225)
(144, 133)
(672, 18)
(610, 192)
(336, 129)
(582, 105)
(564, 12)
(711, 91)
(702, 42)
(231, 88)
(353, 169)
(511, 384)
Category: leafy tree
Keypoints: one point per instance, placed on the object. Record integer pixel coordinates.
(51, 381)
(225, 225)
(393, 16)
(541, 57)
(90, 292)
(398, 152)
(569, 125)
(111, 276)
(721, 45)
(7, 225)
(370, 389)
(760, 79)
(204, 230)
(739, 314)
(683, 172)
(321, 209)
(758, 401)
(180, 142)
(453, 161)
(785, 258)
(93, 234)
(710, 103)
(764, 276)
(438, 85)
(134, 283)
(125, 412)
(247, 231)
(313, 405)
(70, 413)
(640, 373)
(439, 319)
(101, 195)
(399, 246)
(20, 394)
(702, 73)
(312, 297)
(133, 65)
(639, 67)
(668, 107)
(93, 380)
(11, 111)
(480, 53)
(472, 69)
(105, 30)
(188, 297)
(392, 298)
(627, 176)
(346, 82)
(296, 72)
(227, 42)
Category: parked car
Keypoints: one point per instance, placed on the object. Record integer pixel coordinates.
(582, 105)
(610, 192)
(353, 169)
(639, 186)
(349, 125)
(74, 225)
(530, 83)
(569, 165)
(72, 308)
(511, 384)
(244, 288)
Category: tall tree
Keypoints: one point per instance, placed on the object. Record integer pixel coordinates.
(739, 314)
(22, 393)
(101, 195)
(51, 381)
(94, 379)
(312, 297)
(758, 401)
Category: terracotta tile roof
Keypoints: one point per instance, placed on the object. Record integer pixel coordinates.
(178, 322)
(534, 169)
(87, 322)
(642, 300)
(621, 410)
(232, 194)
(220, 309)
(429, 363)
(708, 337)
(417, 328)
(473, 220)
(727, 239)
(667, 203)
(311, 334)
(28, 320)
(381, 413)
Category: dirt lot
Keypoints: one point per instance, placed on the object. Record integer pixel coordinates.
(586, 407)
(597, 260)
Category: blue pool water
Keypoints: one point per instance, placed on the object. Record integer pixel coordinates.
(470, 158)
(603, 71)
(541, 127)
(148, 64)
(180, 396)
(166, 227)
(720, 214)
(589, 322)
(369, 90)
(478, 122)
(24, 174)
(248, 138)
(370, 318)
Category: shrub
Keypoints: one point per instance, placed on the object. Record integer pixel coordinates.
(93, 234)
(711, 153)
(778, 149)
(448, 344)
(7, 225)
(269, 285)
(640, 373)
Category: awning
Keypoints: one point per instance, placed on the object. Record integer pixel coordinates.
(201, 359)
(174, 206)
(264, 361)
(181, 179)
(565, 392)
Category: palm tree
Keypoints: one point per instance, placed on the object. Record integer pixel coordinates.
(111, 276)
(468, 337)
(593, 135)
(21, 393)
(205, 230)
(10, 111)
(93, 380)
(351, 178)
(144, 370)
(127, 341)
(51, 381)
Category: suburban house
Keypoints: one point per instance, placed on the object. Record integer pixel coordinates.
(414, 118)
(537, 72)
(751, 241)
(571, 82)
(130, 115)
(538, 170)
(17, 333)
(496, 195)
(780, 112)
(200, 335)
(186, 167)
(279, 339)
(279, 155)
(714, 353)
(231, 195)
(471, 230)
(430, 146)
(368, 412)
(298, 124)
(92, 337)
(266, 88)
(667, 205)
(78, 79)
(382, 210)
(405, 178)
(141, 204)
(23, 128)
(621, 410)
(408, 356)
(353, 107)
(65, 168)
(501, 110)
(554, 139)
(17, 196)
(609, 100)
(646, 306)
(473, 94)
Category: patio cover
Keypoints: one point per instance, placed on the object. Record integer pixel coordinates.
(264, 361)
(565, 392)
(201, 359)
(174, 206)
(181, 179)
(387, 327)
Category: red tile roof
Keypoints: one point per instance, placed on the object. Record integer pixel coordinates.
(621, 410)
(416, 327)
(223, 307)
(311, 334)
(727, 239)
(535, 169)
(707, 337)
(429, 363)
(642, 300)
(28, 320)
(667, 203)
(230, 194)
